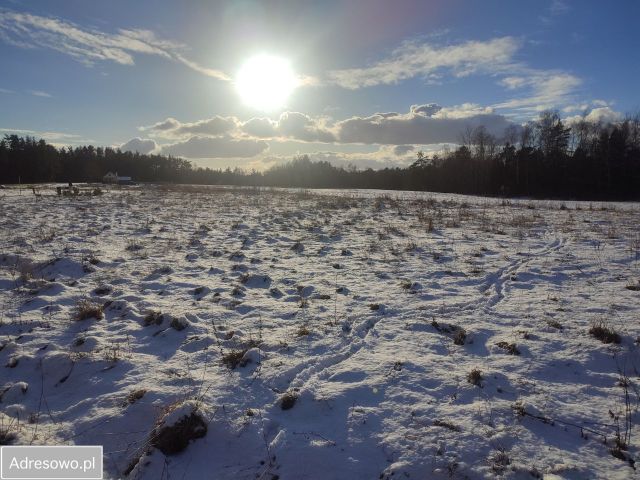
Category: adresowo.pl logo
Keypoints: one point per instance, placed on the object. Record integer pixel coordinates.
(82, 462)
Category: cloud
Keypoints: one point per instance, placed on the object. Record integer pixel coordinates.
(599, 115)
(541, 89)
(290, 125)
(413, 128)
(8, 92)
(414, 59)
(55, 138)
(401, 150)
(215, 147)
(429, 109)
(559, 7)
(422, 125)
(302, 127)
(260, 127)
(172, 128)
(90, 46)
(556, 9)
(512, 83)
(381, 158)
(140, 145)
(544, 89)
(40, 93)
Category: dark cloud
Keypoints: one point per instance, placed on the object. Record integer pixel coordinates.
(216, 147)
(260, 127)
(401, 150)
(302, 127)
(416, 128)
(140, 145)
(423, 125)
(429, 109)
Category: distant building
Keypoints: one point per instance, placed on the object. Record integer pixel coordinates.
(114, 178)
(110, 178)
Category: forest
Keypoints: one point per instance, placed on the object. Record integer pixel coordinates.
(545, 158)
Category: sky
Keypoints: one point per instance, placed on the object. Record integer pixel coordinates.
(372, 81)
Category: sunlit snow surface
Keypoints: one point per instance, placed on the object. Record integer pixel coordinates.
(337, 293)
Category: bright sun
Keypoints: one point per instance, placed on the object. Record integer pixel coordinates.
(265, 82)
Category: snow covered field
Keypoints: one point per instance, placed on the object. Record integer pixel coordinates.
(322, 335)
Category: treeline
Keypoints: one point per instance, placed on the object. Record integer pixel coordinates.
(544, 158)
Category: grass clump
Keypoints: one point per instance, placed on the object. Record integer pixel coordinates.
(475, 377)
(554, 324)
(288, 400)
(179, 323)
(446, 424)
(235, 358)
(634, 287)
(509, 348)
(171, 437)
(460, 336)
(134, 396)
(604, 333)
(7, 437)
(457, 334)
(153, 317)
(86, 309)
(303, 331)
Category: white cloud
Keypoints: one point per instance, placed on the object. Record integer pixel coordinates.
(512, 83)
(581, 107)
(90, 46)
(8, 92)
(209, 127)
(414, 59)
(140, 145)
(40, 93)
(559, 7)
(215, 147)
(555, 9)
(165, 125)
(544, 90)
(598, 115)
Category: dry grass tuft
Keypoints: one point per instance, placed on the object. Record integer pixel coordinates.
(475, 377)
(86, 309)
(509, 348)
(604, 333)
(235, 358)
(288, 400)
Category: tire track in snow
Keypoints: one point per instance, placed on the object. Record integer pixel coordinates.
(504, 274)
(320, 363)
(316, 367)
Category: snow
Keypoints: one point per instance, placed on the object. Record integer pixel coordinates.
(345, 299)
(180, 412)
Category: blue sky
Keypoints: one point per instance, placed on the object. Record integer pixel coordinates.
(378, 80)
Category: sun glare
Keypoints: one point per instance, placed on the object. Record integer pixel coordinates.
(265, 82)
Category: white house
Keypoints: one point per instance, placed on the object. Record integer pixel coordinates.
(114, 178)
